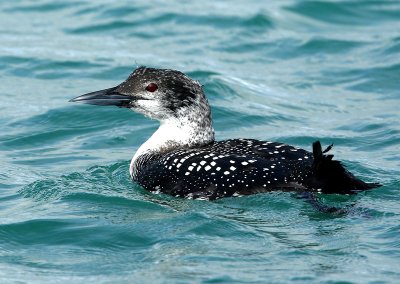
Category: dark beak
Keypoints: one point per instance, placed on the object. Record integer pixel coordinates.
(107, 97)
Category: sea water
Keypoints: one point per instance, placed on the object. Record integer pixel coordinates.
(287, 70)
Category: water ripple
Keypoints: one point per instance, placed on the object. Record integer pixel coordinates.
(349, 12)
(291, 70)
(258, 21)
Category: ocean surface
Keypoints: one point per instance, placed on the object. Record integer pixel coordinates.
(290, 70)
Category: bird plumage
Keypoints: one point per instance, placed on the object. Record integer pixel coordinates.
(182, 158)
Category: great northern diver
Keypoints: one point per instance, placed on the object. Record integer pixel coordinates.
(182, 158)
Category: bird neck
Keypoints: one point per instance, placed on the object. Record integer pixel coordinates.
(173, 133)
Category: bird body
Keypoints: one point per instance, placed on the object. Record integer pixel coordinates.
(224, 168)
(183, 159)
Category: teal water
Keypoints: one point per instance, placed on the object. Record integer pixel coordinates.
(291, 71)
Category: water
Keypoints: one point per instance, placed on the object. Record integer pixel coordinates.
(291, 71)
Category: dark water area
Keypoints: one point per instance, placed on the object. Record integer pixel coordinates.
(291, 71)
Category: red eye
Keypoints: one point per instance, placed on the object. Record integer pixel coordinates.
(151, 87)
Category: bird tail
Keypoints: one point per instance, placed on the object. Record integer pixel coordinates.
(329, 176)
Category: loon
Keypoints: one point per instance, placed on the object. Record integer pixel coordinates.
(182, 158)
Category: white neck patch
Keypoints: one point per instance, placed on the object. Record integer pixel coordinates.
(175, 133)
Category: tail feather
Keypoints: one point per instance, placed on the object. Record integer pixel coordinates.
(329, 176)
